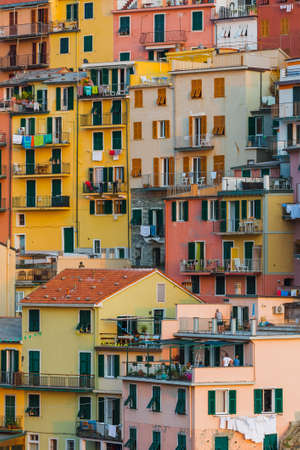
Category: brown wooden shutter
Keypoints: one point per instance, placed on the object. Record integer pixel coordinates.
(167, 129)
(161, 97)
(219, 126)
(33, 16)
(219, 87)
(154, 129)
(219, 167)
(203, 125)
(196, 88)
(137, 130)
(136, 167)
(138, 99)
(186, 164)
(155, 171)
(203, 166)
(191, 120)
(171, 170)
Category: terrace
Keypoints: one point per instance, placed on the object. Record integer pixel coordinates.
(93, 429)
(48, 381)
(234, 266)
(238, 226)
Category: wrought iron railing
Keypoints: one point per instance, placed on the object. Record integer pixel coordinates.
(169, 37)
(114, 118)
(41, 169)
(42, 201)
(48, 380)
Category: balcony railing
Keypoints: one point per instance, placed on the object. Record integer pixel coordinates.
(35, 275)
(42, 201)
(227, 13)
(234, 265)
(163, 37)
(286, 144)
(24, 30)
(93, 429)
(192, 142)
(159, 370)
(10, 62)
(2, 139)
(238, 226)
(90, 120)
(10, 423)
(105, 90)
(41, 169)
(138, 4)
(248, 183)
(106, 187)
(210, 325)
(165, 180)
(142, 341)
(41, 139)
(60, 381)
(287, 110)
(2, 204)
(269, 142)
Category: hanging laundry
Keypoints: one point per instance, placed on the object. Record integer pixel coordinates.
(38, 140)
(17, 139)
(27, 142)
(145, 230)
(48, 139)
(152, 230)
(95, 90)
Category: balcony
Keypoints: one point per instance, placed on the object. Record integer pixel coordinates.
(139, 4)
(230, 266)
(30, 61)
(41, 169)
(33, 276)
(102, 91)
(238, 226)
(24, 30)
(159, 370)
(2, 139)
(247, 184)
(229, 13)
(42, 202)
(2, 204)
(265, 142)
(197, 142)
(183, 180)
(106, 120)
(52, 381)
(129, 342)
(106, 187)
(10, 423)
(3, 171)
(287, 110)
(167, 37)
(41, 139)
(92, 429)
(290, 144)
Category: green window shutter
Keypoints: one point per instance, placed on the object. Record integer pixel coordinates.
(84, 363)
(75, 13)
(232, 402)
(156, 396)
(69, 12)
(217, 209)
(64, 46)
(105, 76)
(94, 76)
(32, 126)
(237, 215)
(150, 216)
(110, 174)
(70, 98)
(91, 174)
(204, 209)
(156, 439)
(244, 209)
(191, 250)
(257, 209)
(265, 172)
(132, 393)
(278, 400)
(181, 399)
(181, 441)
(116, 365)
(258, 395)
(88, 43)
(151, 55)
(100, 365)
(117, 140)
(108, 207)
(16, 361)
(3, 361)
(39, 96)
(223, 214)
(173, 211)
(136, 217)
(211, 402)
(186, 211)
(246, 173)
(49, 125)
(124, 25)
(23, 123)
(197, 21)
(124, 56)
(34, 361)
(251, 126)
(34, 320)
(98, 141)
(132, 437)
(105, 172)
(88, 11)
(92, 207)
(123, 206)
(101, 409)
(58, 99)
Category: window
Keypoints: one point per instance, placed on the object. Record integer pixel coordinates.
(72, 12)
(264, 28)
(20, 242)
(53, 444)
(100, 207)
(33, 442)
(132, 441)
(181, 442)
(33, 408)
(98, 141)
(19, 297)
(160, 292)
(117, 140)
(138, 99)
(124, 56)
(20, 220)
(197, 21)
(64, 45)
(97, 246)
(180, 211)
(155, 441)
(85, 408)
(154, 403)
(268, 401)
(213, 210)
(64, 98)
(137, 131)
(34, 320)
(87, 43)
(112, 366)
(120, 252)
(70, 444)
(254, 209)
(196, 89)
(158, 315)
(88, 10)
(195, 279)
(109, 410)
(161, 129)
(219, 125)
(120, 207)
(84, 324)
(219, 87)
(220, 285)
(131, 400)
(284, 25)
(124, 29)
(251, 285)
(161, 97)
(222, 402)
(181, 399)
(136, 217)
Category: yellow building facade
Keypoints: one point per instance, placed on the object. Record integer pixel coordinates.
(7, 279)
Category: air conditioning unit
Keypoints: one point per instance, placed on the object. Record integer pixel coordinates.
(278, 309)
(21, 130)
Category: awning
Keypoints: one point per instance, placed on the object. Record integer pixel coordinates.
(17, 438)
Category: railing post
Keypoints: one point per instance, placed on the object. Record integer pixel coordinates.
(233, 325)
(253, 325)
(214, 326)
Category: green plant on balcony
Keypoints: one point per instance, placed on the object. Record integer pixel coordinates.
(83, 328)
(10, 423)
(141, 373)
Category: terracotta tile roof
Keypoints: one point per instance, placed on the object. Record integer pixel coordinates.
(84, 286)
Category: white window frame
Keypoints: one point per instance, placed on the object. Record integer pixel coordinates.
(110, 365)
(226, 391)
(35, 441)
(19, 295)
(272, 401)
(18, 215)
(64, 99)
(212, 210)
(158, 285)
(95, 242)
(67, 444)
(51, 440)
(251, 208)
(179, 211)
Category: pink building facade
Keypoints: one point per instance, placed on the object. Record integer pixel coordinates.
(148, 29)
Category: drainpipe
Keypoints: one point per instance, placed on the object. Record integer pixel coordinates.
(127, 177)
(9, 176)
(260, 88)
(77, 143)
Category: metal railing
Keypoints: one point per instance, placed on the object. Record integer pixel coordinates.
(48, 380)
(24, 29)
(286, 109)
(105, 187)
(284, 144)
(97, 430)
(11, 422)
(116, 118)
(137, 4)
(9, 62)
(42, 201)
(152, 79)
(241, 226)
(2, 204)
(196, 141)
(210, 325)
(159, 370)
(28, 107)
(2, 139)
(220, 265)
(48, 138)
(250, 183)
(269, 142)
(35, 275)
(46, 168)
(227, 13)
(180, 179)
(105, 90)
(169, 37)
(127, 341)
